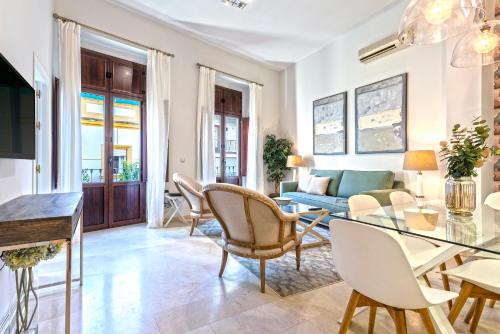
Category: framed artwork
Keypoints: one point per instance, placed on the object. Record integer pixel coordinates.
(329, 125)
(381, 116)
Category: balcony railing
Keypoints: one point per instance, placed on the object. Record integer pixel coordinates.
(231, 146)
(130, 172)
(92, 175)
(230, 171)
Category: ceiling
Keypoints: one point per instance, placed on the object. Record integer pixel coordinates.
(278, 32)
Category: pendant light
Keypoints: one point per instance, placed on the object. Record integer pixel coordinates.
(433, 21)
(478, 47)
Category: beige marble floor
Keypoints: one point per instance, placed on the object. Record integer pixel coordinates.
(138, 280)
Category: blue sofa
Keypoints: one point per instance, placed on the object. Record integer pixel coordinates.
(344, 184)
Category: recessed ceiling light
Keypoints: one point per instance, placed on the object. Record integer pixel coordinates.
(235, 3)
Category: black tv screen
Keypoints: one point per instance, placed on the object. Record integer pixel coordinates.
(17, 114)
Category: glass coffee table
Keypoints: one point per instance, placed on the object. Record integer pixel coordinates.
(304, 210)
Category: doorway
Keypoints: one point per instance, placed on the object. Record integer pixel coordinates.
(229, 138)
(42, 170)
(113, 116)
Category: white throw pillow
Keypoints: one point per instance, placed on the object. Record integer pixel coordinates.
(318, 185)
(304, 181)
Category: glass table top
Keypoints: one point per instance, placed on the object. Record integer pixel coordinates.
(294, 207)
(430, 220)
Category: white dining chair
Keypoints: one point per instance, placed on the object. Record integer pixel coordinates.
(401, 199)
(481, 281)
(419, 251)
(376, 267)
(493, 200)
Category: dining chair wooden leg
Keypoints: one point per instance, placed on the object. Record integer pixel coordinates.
(426, 279)
(426, 319)
(400, 321)
(458, 260)
(371, 321)
(470, 314)
(477, 314)
(446, 282)
(391, 312)
(193, 225)
(492, 303)
(349, 312)
(262, 275)
(223, 262)
(298, 250)
(460, 301)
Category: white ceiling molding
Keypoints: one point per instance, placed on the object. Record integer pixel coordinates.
(277, 33)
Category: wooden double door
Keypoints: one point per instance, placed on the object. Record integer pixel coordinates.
(229, 136)
(113, 120)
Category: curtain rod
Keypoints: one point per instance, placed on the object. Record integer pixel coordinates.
(65, 19)
(229, 74)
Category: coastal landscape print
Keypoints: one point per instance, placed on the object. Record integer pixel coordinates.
(381, 116)
(329, 121)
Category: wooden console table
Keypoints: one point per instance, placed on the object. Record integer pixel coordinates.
(35, 220)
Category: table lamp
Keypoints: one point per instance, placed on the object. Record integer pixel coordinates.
(419, 161)
(294, 161)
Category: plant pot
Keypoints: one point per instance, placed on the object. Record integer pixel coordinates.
(460, 196)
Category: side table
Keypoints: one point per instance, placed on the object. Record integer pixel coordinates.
(171, 199)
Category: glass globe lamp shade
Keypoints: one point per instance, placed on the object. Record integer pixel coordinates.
(479, 47)
(433, 21)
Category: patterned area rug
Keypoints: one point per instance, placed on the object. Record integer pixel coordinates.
(316, 268)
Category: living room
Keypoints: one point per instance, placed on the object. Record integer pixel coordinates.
(222, 166)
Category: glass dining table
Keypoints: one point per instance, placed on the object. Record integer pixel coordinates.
(478, 233)
(430, 220)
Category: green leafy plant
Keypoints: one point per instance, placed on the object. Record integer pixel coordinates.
(85, 176)
(130, 171)
(276, 151)
(467, 149)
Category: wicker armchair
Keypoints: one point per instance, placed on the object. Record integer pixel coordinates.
(191, 191)
(254, 226)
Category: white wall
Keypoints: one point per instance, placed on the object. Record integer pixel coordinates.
(437, 95)
(25, 30)
(188, 51)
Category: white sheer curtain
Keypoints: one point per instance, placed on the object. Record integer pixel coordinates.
(205, 165)
(158, 123)
(255, 167)
(70, 146)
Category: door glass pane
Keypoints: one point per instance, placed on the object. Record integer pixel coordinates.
(92, 120)
(217, 144)
(232, 146)
(126, 158)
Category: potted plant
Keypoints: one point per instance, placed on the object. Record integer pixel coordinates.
(466, 151)
(276, 151)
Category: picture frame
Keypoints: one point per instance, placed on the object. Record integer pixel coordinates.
(330, 125)
(381, 116)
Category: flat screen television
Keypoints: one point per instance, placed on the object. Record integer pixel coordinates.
(17, 114)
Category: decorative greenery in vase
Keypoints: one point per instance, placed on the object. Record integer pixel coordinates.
(21, 262)
(467, 149)
(276, 152)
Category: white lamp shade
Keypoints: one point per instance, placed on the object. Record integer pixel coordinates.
(433, 21)
(479, 46)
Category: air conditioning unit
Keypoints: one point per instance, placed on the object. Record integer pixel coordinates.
(380, 49)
